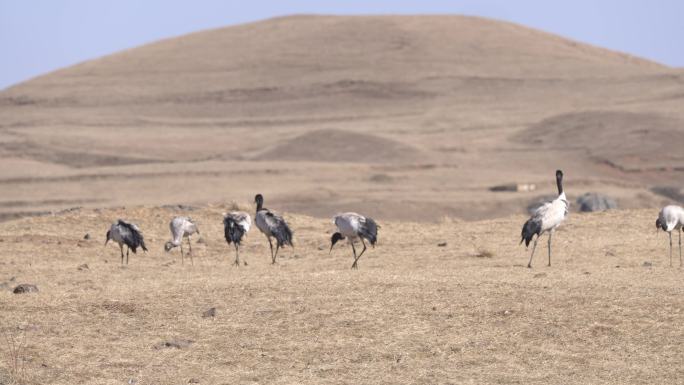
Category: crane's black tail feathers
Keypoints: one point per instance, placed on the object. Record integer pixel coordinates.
(136, 238)
(232, 230)
(369, 230)
(282, 234)
(530, 228)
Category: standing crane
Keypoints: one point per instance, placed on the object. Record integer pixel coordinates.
(546, 219)
(181, 227)
(353, 227)
(272, 226)
(125, 233)
(672, 218)
(235, 225)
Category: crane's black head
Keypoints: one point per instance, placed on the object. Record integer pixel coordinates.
(333, 240)
(559, 174)
(168, 246)
(660, 225)
(259, 200)
(109, 234)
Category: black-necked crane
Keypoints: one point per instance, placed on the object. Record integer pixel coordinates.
(125, 233)
(546, 219)
(181, 227)
(353, 227)
(235, 225)
(273, 226)
(672, 218)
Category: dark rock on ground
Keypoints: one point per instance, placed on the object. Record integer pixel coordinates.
(209, 313)
(174, 343)
(591, 201)
(25, 288)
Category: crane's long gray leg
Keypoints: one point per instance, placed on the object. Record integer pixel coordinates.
(237, 256)
(122, 256)
(128, 251)
(362, 251)
(182, 256)
(364, 247)
(534, 247)
(271, 245)
(550, 234)
(354, 266)
(680, 248)
(670, 248)
(192, 261)
(275, 255)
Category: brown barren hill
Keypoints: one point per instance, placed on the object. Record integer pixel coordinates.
(285, 60)
(434, 107)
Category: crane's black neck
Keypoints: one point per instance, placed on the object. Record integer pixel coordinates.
(559, 181)
(259, 200)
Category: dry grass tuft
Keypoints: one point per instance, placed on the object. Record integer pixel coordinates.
(484, 254)
(14, 355)
(239, 206)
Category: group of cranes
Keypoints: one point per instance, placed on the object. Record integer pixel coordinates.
(236, 224)
(357, 228)
(550, 215)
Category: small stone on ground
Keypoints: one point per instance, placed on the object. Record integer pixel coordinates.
(25, 288)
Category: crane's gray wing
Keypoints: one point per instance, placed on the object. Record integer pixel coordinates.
(541, 211)
(278, 228)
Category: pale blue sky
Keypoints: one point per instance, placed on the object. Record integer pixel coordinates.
(38, 36)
